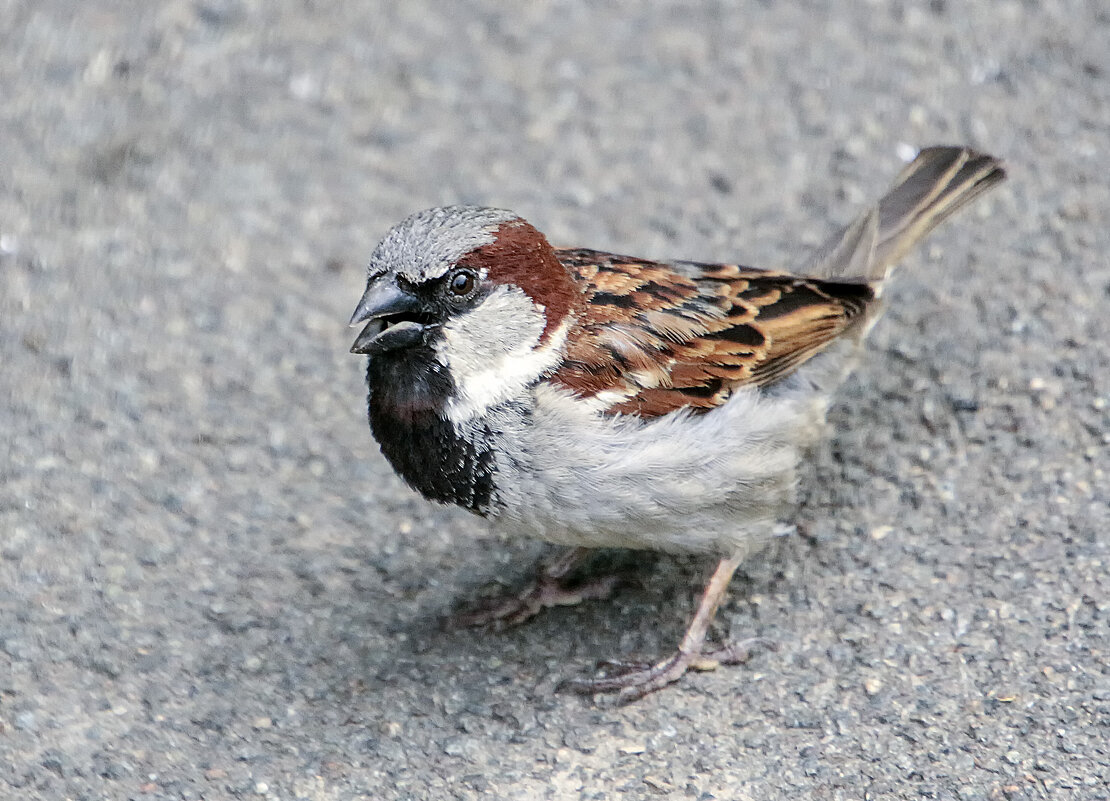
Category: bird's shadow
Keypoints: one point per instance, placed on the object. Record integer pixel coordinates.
(643, 620)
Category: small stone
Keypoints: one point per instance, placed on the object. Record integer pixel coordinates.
(25, 721)
(454, 746)
(261, 788)
(262, 723)
(906, 151)
(658, 785)
(872, 686)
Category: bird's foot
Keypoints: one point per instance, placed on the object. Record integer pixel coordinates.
(633, 680)
(550, 588)
(515, 608)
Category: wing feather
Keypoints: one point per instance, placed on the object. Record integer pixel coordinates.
(659, 337)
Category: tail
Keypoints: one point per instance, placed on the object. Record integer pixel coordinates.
(939, 182)
(936, 184)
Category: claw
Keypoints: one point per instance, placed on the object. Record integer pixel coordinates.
(549, 589)
(633, 680)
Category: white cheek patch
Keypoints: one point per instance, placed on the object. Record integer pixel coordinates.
(491, 352)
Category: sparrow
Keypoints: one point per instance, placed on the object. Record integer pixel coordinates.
(596, 400)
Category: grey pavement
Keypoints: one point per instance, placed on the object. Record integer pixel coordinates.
(211, 584)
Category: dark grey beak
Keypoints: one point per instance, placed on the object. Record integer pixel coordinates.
(383, 300)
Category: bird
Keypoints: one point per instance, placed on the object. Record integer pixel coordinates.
(595, 400)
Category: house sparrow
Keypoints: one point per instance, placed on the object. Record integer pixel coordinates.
(597, 400)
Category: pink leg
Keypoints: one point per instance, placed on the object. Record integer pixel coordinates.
(633, 680)
(548, 589)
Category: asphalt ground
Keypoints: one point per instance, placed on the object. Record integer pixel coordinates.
(211, 584)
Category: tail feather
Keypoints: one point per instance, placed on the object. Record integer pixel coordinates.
(936, 184)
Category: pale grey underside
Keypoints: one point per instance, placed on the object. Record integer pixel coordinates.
(714, 482)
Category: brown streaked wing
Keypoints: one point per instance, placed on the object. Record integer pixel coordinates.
(659, 337)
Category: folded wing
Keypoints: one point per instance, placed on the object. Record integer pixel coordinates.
(659, 337)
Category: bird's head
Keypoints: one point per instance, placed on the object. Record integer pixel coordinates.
(477, 292)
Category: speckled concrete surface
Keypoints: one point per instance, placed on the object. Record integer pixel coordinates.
(211, 586)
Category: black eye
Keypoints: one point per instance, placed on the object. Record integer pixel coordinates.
(462, 282)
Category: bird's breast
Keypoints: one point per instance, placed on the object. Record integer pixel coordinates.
(435, 457)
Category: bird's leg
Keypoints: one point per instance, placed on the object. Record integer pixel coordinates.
(550, 588)
(635, 680)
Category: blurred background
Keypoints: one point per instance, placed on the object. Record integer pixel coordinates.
(211, 584)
